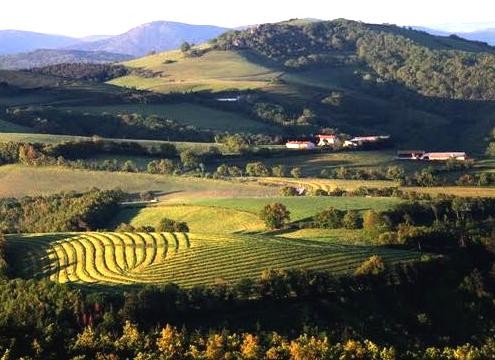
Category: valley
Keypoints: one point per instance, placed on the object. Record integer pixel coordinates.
(296, 190)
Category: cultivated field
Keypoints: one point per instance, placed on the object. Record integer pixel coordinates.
(18, 181)
(312, 184)
(185, 259)
(301, 207)
(200, 219)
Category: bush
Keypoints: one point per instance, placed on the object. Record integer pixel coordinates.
(375, 221)
(337, 192)
(352, 220)
(288, 191)
(257, 169)
(279, 171)
(330, 218)
(129, 166)
(145, 228)
(296, 173)
(387, 238)
(189, 159)
(320, 192)
(169, 225)
(275, 215)
(163, 166)
(372, 266)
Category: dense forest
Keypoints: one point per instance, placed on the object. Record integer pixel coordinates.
(57, 121)
(433, 66)
(84, 71)
(58, 213)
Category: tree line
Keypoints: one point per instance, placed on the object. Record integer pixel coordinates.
(42, 319)
(62, 212)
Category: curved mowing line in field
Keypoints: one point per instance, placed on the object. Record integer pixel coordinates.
(129, 258)
(130, 252)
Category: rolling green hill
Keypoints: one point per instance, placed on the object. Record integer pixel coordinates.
(426, 91)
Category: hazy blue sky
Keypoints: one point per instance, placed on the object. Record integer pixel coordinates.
(89, 17)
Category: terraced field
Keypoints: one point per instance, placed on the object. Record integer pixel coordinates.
(185, 259)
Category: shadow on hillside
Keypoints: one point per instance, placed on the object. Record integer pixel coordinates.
(28, 261)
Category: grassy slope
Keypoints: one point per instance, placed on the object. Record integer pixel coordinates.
(117, 259)
(301, 207)
(57, 139)
(215, 71)
(200, 219)
(17, 181)
(190, 114)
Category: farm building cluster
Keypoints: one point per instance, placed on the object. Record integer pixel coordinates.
(431, 156)
(335, 140)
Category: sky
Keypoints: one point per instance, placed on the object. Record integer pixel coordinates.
(108, 17)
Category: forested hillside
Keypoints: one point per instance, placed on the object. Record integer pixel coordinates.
(434, 66)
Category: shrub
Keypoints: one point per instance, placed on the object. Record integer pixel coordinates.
(163, 166)
(387, 238)
(288, 191)
(320, 192)
(189, 159)
(372, 266)
(257, 169)
(145, 228)
(279, 171)
(129, 166)
(296, 173)
(337, 192)
(275, 215)
(352, 220)
(169, 225)
(330, 218)
(234, 171)
(374, 221)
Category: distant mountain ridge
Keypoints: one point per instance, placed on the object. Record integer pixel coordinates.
(154, 36)
(24, 49)
(46, 57)
(487, 35)
(16, 41)
(484, 35)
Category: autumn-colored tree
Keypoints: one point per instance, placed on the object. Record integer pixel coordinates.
(171, 343)
(250, 348)
(309, 348)
(215, 347)
(371, 266)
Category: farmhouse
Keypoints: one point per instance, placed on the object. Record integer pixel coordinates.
(430, 156)
(300, 145)
(410, 154)
(325, 140)
(229, 99)
(361, 140)
(439, 156)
